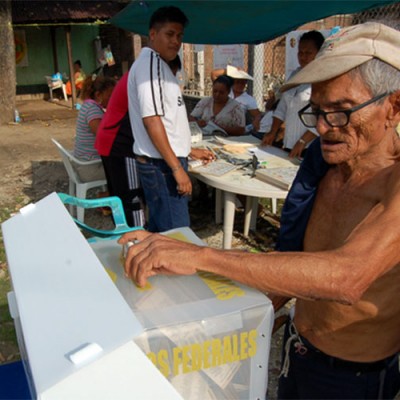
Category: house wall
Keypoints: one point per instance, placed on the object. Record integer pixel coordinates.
(122, 47)
(31, 78)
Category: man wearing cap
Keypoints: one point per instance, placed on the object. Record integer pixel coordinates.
(343, 263)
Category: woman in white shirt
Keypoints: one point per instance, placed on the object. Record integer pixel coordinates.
(297, 137)
(220, 109)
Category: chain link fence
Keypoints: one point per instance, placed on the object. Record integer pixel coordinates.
(267, 61)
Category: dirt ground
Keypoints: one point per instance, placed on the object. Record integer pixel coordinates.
(31, 168)
(26, 148)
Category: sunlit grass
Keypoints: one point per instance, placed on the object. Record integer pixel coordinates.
(7, 331)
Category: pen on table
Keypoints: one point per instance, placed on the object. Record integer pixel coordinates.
(212, 151)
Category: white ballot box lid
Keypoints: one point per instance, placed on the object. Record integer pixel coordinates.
(125, 373)
(70, 317)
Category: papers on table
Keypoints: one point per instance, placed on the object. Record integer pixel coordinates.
(236, 147)
(213, 129)
(282, 177)
(238, 140)
(272, 157)
(274, 165)
(216, 168)
(278, 169)
(265, 152)
(196, 132)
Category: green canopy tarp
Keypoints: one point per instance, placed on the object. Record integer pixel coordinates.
(239, 22)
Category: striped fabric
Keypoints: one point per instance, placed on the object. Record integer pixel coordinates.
(154, 91)
(84, 140)
(134, 185)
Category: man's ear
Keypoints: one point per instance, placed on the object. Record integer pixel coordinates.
(394, 113)
(152, 33)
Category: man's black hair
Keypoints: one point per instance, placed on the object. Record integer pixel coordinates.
(314, 36)
(168, 14)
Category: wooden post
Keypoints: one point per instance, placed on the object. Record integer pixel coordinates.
(54, 47)
(70, 64)
(7, 64)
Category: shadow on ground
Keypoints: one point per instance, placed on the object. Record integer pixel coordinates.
(47, 177)
(50, 176)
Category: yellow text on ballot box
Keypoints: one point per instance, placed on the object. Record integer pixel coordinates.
(209, 336)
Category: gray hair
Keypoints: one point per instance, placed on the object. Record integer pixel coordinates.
(377, 75)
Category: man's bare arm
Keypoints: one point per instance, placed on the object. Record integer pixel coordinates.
(270, 136)
(256, 116)
(301, 144)
(342, 274)
(156, 131)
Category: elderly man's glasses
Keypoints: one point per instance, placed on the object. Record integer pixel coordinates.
(335, 119)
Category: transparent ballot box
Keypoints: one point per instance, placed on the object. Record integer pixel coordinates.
(85, 331)
(75, 330)
(209, 336)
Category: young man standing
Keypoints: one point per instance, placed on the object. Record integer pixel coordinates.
(159, 123)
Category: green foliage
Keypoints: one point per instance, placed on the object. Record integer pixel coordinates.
(5, 213)
(267, 203)
(7, 332)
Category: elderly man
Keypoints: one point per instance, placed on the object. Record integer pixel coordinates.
(340, 223)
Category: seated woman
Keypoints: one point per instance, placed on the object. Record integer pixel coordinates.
(220, 109)
(239, 93)
(266, 122)
(79, 77)
(96, 93)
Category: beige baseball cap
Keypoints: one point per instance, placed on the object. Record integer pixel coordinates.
(237, 73)
(347, 49)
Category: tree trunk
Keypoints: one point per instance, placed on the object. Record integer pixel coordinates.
(7, 64)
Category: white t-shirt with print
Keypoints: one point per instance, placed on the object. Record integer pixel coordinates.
(154, 91)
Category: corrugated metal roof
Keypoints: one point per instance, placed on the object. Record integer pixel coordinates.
(42, 12)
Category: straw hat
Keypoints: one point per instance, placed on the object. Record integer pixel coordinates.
(236, 73)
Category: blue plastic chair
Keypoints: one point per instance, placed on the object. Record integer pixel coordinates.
(117, 210)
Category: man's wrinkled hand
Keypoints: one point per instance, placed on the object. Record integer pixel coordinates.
(154, 254)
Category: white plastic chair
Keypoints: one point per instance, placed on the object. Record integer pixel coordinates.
(76, 186)
(56, 84)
